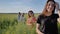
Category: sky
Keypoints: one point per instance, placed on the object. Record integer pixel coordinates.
(23, 6)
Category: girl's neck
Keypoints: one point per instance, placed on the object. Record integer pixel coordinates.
(31, 17)
(48, 14)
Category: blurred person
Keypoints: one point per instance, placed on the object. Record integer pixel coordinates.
(31, 20)
(47, 21)
(19, 17)
(23, 18)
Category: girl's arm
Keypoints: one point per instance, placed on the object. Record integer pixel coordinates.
(57, 9)
(58, 20)
(37, 29)
(57, 6)
(59, 16)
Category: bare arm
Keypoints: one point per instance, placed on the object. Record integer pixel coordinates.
(59, 17)
(58, 20)
(37, 29)
(57, 9)
(57, 6)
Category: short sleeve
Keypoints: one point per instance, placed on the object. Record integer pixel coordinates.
(38, 20)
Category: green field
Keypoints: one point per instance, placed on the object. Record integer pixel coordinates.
(10, 25)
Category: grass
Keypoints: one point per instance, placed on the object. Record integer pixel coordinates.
(10, 25)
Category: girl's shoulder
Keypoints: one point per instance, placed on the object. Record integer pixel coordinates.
(54, 16)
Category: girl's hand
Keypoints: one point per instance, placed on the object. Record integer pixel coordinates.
(57, 6)
(40, 33)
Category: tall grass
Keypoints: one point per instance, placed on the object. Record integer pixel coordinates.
(10, 25)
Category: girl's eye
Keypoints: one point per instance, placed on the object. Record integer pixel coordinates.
(48, 4)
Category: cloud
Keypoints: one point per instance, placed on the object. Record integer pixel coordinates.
(15, 7)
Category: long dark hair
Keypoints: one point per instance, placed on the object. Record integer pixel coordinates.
(45, 10)
(19, 13)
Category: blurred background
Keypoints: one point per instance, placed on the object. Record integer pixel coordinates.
(9, 15)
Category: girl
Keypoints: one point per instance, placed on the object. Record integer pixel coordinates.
(47, 21)
(31, 19)
(23, 18)
(19, 16)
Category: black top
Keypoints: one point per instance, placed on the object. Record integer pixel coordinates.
(50, 23)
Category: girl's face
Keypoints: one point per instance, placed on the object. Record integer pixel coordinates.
(30, 14)
(50, 6)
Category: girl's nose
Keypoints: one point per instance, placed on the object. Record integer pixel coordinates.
(50, 6)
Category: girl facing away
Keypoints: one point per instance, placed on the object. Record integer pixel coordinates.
(47, 21)
(21, 17)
